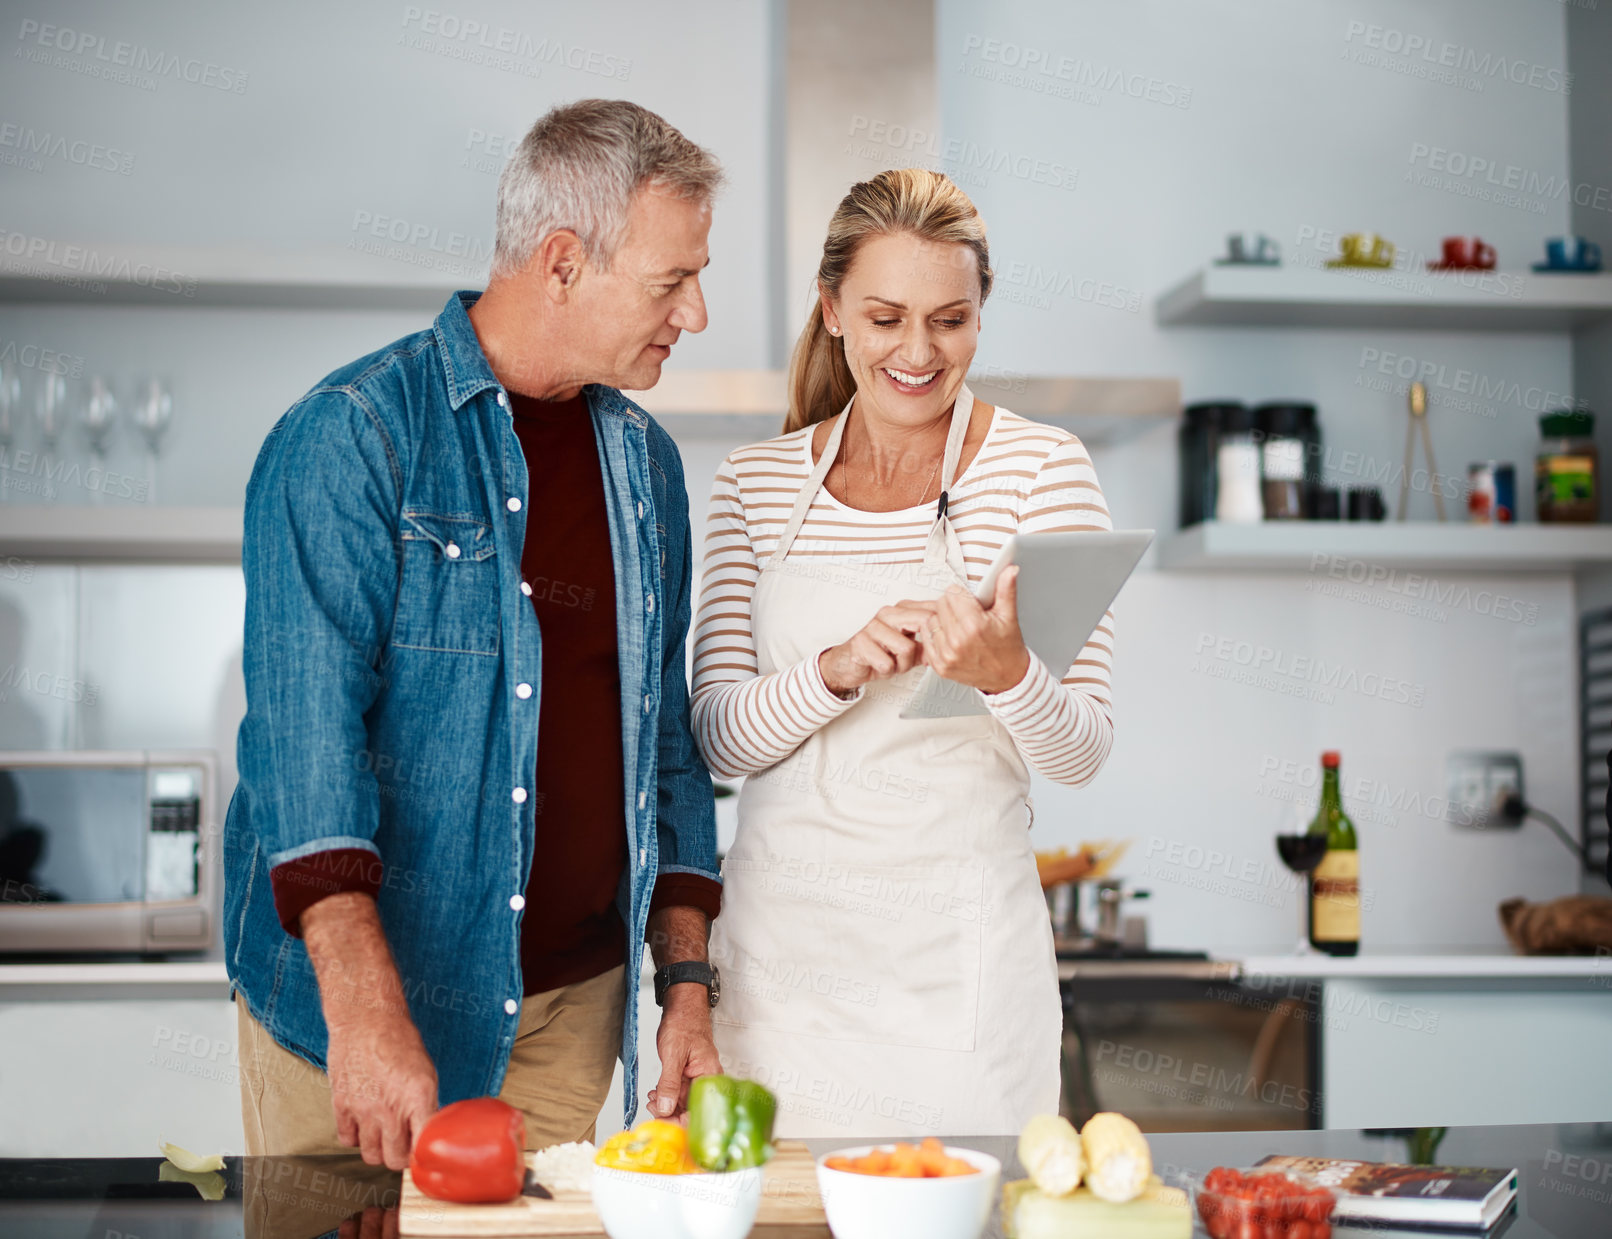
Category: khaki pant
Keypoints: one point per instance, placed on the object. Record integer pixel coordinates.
(559, 1072)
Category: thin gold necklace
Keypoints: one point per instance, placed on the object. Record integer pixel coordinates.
(845, 472)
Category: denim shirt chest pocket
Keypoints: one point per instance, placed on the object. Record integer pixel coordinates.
(448, 597)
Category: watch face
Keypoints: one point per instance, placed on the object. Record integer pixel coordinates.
(716, 985)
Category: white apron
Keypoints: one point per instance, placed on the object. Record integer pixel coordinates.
(887, 960)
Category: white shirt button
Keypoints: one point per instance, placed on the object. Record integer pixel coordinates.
(523, 691)
(649, 603)
(640, 509)
(517, 902)
(503, 400)
(526, 588)
(519, 795)
(643, 856)
(451, 550)
(648, 705)
(643, 799)
(513, 504)
(511, 1006)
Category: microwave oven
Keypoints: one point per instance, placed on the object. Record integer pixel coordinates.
(108, 852)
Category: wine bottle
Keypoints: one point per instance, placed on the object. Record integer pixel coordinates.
(1335, 884)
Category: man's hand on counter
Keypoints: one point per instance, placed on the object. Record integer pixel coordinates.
(684, 1042)
(382, 1082)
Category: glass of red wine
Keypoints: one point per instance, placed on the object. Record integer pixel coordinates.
(1302, 853)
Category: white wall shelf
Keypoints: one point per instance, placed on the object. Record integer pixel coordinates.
(121, 533)
(751, 403)
(1281, 546)
(186, 276)
(1250, 296)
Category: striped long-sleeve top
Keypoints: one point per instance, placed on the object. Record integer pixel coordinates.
(1025, 478)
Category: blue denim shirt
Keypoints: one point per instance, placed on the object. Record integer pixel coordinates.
(386, 639)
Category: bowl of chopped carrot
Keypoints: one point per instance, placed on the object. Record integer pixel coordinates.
(927, 1189)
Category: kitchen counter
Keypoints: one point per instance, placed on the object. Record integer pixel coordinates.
(208, 979)
(1422, 964)
(1409, 965)
(204, 978)
(1565, 1185)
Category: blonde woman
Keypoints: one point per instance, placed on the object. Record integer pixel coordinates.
(886, 955)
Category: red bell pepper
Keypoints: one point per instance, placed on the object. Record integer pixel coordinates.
(472, 1152)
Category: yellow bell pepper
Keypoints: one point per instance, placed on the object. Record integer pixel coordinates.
(653, 1147)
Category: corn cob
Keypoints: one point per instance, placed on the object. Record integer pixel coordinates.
(1050, 1152)
(1118, 1162)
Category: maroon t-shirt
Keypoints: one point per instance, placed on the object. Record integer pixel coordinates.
(570, 928)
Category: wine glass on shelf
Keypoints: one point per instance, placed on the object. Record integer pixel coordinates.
(10, 416)
(97, 418)
(51, 409)
(153, 409)
(1301, 852)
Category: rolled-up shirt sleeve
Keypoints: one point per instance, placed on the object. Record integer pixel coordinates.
(321, 561)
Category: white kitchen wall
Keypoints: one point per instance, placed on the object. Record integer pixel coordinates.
(351, 120)
(1182, 121)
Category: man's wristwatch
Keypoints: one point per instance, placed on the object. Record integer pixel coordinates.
(676, 974)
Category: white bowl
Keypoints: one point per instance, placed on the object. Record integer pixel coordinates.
(867, 1206)
(635, 1205)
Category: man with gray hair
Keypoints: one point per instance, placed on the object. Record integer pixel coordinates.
(468, 790)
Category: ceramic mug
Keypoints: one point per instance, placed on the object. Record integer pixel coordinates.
(1573, 254)
(1251, 247)
(1367, 249)
(1468, 252)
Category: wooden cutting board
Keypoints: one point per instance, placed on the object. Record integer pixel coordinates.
(788, 1198)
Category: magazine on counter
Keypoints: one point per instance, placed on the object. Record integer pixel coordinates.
(1463, 1196)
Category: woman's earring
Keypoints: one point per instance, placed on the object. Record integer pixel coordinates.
(833, 331)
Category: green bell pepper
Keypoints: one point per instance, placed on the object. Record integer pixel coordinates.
(729, 1123)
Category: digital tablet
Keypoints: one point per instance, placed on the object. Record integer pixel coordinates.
(1066, 583)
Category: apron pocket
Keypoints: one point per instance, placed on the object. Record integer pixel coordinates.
(883, 954)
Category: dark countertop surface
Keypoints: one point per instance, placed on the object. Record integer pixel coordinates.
(1565, 1185)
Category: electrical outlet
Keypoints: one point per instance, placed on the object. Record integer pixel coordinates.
(1477, 782)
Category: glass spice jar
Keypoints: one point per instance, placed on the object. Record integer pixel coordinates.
(1567, 469)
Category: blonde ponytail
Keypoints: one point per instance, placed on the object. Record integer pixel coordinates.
(820, 379)
(925, 204)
